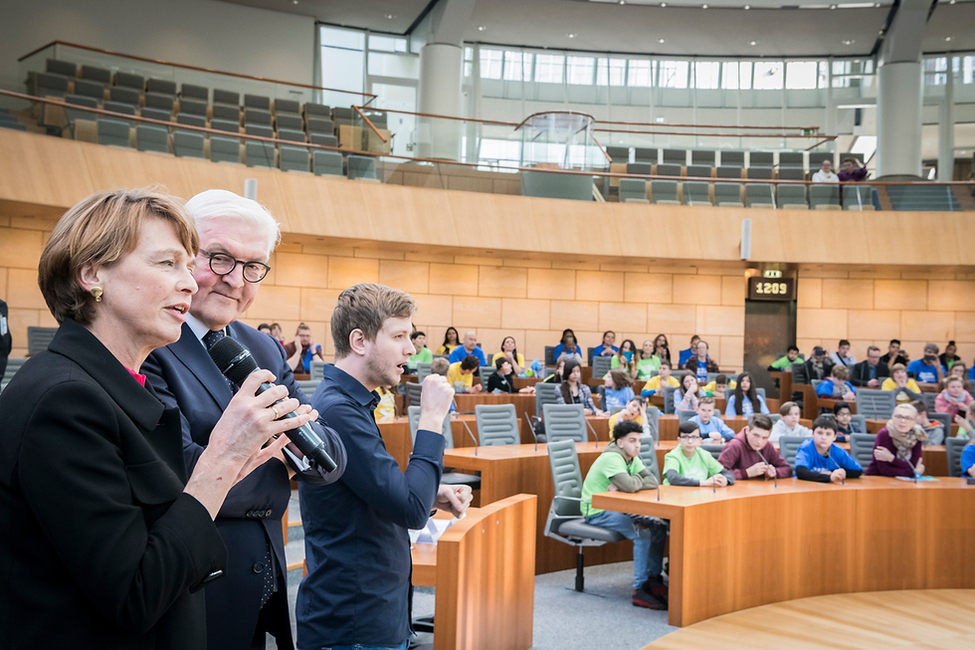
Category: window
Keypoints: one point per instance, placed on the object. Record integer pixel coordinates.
(968, 70)
(707, 74)
(768, 75)
(802, 75)
(673, 74)
(517, 66)
(611, 72)
(548, 68)
(639, 73)
(387, 43)
(491, 64)
(580, 70)
(840, 71)
(936, 71)
(343, 60)
(343, 38)
(468, 61)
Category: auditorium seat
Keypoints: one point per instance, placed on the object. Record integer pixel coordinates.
(294, 158)
(953, 450)
(788, 446)
(161, 86)
(8, 121)
(664, 192)
(563, 422)
(191, 91)
(645, 155)
(260, 130)
(259, 154)
(824, 196)
(224, 149)
(551, 185)
(698, 171)
(124, 95)
(725, 171)
(226, 97)
(321, 111)
(618, 154)
(87, 88)
(732, 158)
(922, 198)
(792, 197)
(78, 100)
(759, 194)
(288, 121)
(224, 125)
(702, 157)
(674, 157)
(113, 132)
(257, 116)
(328, 163)
(39, 338)
(858, 197)
(149, 137)
(156, 114)
(42, 84)
(497, 424)
(160, 100)
(727, 195)
(668, 169)
(342, 115)
(791, 160)
(128, 80)
(760, 159)
(191, 120)
(286, 106)
(291, 135)
(260, 102)
(120, 107)
(193, 106)
(792, 174)
(761, 173)
(188, 144)
(320, 125)
(326, 140)
(639, 168)
(696, 192)
(225, 112)
(364, 167)
(633, 190)
(544, 394)
(63, 68)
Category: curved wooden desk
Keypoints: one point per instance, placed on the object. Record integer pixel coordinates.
(753, 544)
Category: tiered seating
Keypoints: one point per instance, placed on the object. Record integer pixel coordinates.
(923, 198)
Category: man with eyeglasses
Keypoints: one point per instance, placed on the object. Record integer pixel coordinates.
(237, 236)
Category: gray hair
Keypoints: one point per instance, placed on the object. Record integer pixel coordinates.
(211, 205)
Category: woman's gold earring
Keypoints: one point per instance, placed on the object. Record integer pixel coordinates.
(96, 293)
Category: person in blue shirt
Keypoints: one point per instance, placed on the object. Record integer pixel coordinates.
(711, 424)
(745, 400)
(568, 346)
(968, 459)
(927, 370)
(820, 459)
(689, 352)
(606, 348)
(357, 539)
(618, 388)
(837, 385)
(468, 348)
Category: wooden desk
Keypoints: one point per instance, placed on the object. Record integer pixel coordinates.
(483, 568)
(784, 380)
(753, 544)
(524, 403)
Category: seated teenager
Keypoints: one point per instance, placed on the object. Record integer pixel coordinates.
(502, 381)
(948, 358)
(720, 385)
(573, 391)
(460, 374)
(745, 400)
(646, 361)
(509, 350)
(954, 399)
(788, 424)
(837, 385)
(842, 356)
(557, 376)
(663, 378)
(787, 360)
(701, 364)
(820, 459)
(934, 430)
(691, 466)
(897, 448)
(710, 423)
(451, 341)
(661, 348)
(751, 455)
(968, 460)
(619, 468)
(966, 425)
(385, 410)
(635, 411)
(928, 369)
(959, 369)
(423, 353)
(907, 389)
(607, 347)
(871, 371)
(569, 347)
(618, 388)
(440, 366)
(688, 353)
(843, 414)
(625, 358)
(688, 395)
(819, 366)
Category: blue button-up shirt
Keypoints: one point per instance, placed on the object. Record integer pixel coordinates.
(356, 542)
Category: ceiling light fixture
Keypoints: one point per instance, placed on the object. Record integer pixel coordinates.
(747, 7)
(661, 41)
(704, 6)
(849, 41)
(390, 16)
(832, 6)
(481, 28)
(947, 39)
(753, 43)
(571, 35)
(622, 2)
(663, 4)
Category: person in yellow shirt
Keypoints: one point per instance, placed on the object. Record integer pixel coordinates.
(635, 410)
(460, 374)
(663, 378)
(386, 409)
(509, 350)
(907, 389)
(451, 339)
(720, 385)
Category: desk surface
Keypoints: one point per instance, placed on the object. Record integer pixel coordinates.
(755, 543)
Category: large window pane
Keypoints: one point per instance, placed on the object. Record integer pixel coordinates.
(801, 75)
(936, 71)
(673, 74)
(706, 74)
(548, 68)
(344, 38)
(517, 66)
(387, 43)
(611, 72)
(768, 75)
(580, 69)
(491, 64)
(639, 73)
(968, 70)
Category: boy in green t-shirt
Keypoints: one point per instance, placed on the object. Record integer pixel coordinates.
(423, 354)
(692, 466)
(789, 359)
(619, 468)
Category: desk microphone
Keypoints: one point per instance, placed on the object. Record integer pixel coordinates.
(658, 485)
(595, 438)
(775, 475)
(532, 429)
(471, 434)
(236, 363)
(913, 470)
(829, 457)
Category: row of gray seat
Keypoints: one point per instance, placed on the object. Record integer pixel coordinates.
(721, 171)
(823, 196)
(711, 158)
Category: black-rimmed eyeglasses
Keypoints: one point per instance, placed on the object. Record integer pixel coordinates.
(223, 264)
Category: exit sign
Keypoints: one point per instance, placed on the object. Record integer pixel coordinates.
(771, 274)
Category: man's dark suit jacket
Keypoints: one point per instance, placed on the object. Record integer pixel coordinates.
(860, 373)
(184, 376)
(99, 546)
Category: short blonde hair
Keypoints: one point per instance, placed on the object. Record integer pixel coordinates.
(216, 205)
(366, 307)
(100, 230)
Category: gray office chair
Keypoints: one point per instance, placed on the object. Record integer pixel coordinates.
(684, 415)
(648, 454)
(953, 448)
(315, 371)
(13, 365)
(544, 394)
(308, 386)
(497, 424)
(565, 421)
(714, 450)
(861, 447)
(875, 404)
(600, 366)
(485, 373)
(653, 414)
(788, 446)
(728, 392)
(38, 338)
(449, 477)
(565, 522)
(413, 393)
(944, 419)
(929, 401)
(669, 399)
(422, 372)
(858, 423)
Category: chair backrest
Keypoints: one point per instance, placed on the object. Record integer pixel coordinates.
(567, 477)
(645, 154)
(422, 371)
(684, 415)
(316, 371)
(648, 454)
(929, 401)
(736, 158)
(38, 338)
(861, 447)
(875, 404)
(714, 450)
(858, 423)
(413, 415)
(544, 394)
(549, 355)
(413, 393)
(824, 194)
(600, 366)
(485, 372)
(788, 446)
(669, 399)
(497, 424)
(633, 189)
(942, 418)
(565, 421)
(308, 386)
(663, 190)
(953, 449)
(653, 414)
(696, 192)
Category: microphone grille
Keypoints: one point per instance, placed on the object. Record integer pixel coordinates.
(233, 359)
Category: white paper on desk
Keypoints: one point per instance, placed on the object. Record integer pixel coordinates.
(430, 533)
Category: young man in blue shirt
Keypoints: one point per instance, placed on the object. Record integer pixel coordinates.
(711, 424)
(820, 459)
(357, 544)
(468, 348)
(929, 369)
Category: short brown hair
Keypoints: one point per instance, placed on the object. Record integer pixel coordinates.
(366, 307)
(439, 366)
(787, 407)
(761, 421)
(707, 399)
(620, 379)
(898, 366)
(100, 230)
(470, 362)
(840, 372)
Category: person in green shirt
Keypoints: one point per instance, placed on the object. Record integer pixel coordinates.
(692, 466)
(423, 354)
(619, 468)
(785, 363)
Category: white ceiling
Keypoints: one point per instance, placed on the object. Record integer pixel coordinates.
(780, 28)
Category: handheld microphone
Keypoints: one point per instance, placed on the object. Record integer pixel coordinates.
(236, 363)
(471, 434)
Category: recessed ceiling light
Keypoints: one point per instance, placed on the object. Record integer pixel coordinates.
(663, 4)
(661, 40)
(390, 16)
(481, 28)
(832, 6)
(947, 38)
(753, 43)
(952, 2)
(704, 6)
(849, 41)
(747, 7)
(622, 2)
(294, 2)
(571, 35)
